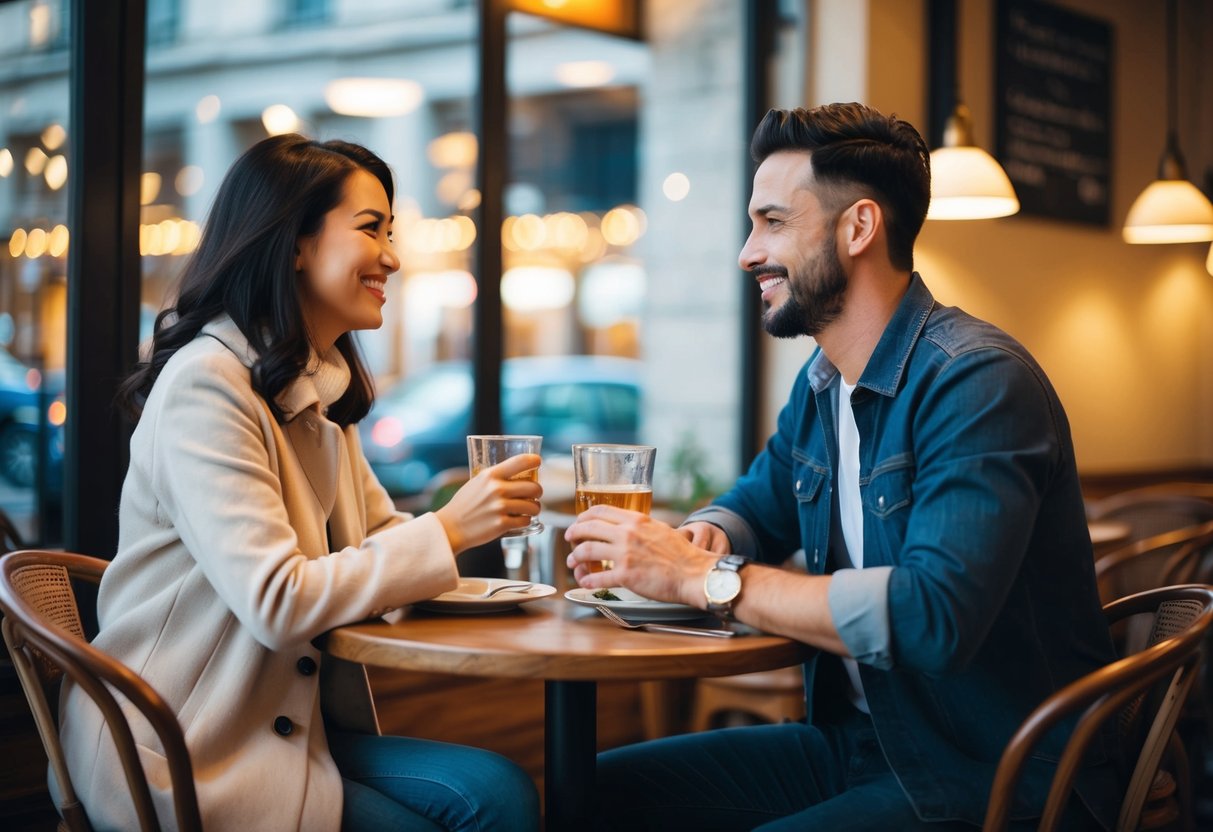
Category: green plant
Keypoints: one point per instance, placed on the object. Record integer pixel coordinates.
(693, 489)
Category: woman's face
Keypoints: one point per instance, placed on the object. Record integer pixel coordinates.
(343, 268)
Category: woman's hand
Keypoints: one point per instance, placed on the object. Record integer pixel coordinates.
(707, 536)
(492, 503)
(647, 556)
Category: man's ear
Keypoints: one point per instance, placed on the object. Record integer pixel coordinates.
(861, 224)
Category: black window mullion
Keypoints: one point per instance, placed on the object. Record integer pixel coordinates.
(108, 42)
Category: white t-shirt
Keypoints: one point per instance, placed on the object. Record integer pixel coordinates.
(850, 511)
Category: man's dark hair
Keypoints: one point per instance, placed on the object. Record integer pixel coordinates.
(855, 148)
(277, 192)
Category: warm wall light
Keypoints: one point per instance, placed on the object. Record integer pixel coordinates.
(966, 182)
(373, 97)
(1171, 209)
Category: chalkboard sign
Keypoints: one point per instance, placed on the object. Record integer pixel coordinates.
(1053, 109)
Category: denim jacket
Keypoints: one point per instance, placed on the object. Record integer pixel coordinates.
(978, 598)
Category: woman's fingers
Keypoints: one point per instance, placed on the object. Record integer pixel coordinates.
(515, 465)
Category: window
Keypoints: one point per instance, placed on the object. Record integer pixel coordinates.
(34, 242)
(305, 12)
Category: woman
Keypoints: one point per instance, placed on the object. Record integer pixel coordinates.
(250, 523)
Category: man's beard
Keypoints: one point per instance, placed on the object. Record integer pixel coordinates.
(814, 300)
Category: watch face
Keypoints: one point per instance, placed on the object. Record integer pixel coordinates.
(722, 586)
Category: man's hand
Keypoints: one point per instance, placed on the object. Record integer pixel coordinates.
(707, 536)
(647, 556)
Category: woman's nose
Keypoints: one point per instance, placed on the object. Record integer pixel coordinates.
(389, 258)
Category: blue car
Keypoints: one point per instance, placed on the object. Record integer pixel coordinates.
(419, 427)
(30, 402)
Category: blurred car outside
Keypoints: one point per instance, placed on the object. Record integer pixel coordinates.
(418, 427)
(31, 402)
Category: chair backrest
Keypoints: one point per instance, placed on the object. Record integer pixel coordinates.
(1150, 512)
(1174, 557)
(1142, 693)
(42, 629)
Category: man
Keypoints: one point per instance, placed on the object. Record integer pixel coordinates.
(924, 465)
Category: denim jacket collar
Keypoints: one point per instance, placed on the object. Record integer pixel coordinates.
(888, 362)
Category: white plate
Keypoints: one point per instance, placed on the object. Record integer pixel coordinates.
(635, 607)
(467, 598)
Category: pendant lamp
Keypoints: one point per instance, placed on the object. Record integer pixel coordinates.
(966, 182)
(1171, 209)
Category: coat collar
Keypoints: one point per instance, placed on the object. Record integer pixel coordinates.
(298, 396)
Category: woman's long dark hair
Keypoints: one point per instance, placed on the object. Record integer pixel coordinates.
(275, 193)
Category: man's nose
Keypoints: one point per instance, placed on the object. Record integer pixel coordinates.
(751, 255)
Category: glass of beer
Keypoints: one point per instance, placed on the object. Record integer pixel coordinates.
(613, 475)
(485, 451)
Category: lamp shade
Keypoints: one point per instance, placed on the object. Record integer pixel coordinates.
(968, 184)
(1169, 211)
(1209, 261)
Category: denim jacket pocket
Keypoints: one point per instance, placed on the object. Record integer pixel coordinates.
(807, 479)
(890, 486)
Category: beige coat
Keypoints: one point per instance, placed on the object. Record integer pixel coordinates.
(223, 577)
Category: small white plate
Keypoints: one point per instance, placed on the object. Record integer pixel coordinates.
(466, 598)
(635, 607)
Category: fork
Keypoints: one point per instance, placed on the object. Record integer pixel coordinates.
(489, 593)
(617, 619)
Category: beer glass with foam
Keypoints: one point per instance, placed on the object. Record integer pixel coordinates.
(613, 475)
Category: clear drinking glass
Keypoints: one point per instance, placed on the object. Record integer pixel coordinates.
(613, 475)
(488, 450)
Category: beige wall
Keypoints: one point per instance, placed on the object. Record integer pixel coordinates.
(1125, 332)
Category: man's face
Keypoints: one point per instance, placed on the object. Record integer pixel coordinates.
(791, 250)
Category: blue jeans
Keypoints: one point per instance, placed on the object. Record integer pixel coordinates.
(400, 783)
(775, 778)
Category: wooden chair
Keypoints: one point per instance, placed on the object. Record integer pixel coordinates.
(1143, 692)
(770, 695)
(1149, 511)
(1175, 557)
(46, 639)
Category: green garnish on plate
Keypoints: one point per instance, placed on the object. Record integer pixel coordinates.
(606, 595)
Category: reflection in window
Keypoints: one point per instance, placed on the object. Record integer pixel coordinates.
(301, 12)
(163, 17)
(34, 242)
(594, 133)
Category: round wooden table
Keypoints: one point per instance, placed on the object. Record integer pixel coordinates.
(571, 648)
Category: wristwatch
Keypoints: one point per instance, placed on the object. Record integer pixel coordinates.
(723, 584)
